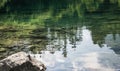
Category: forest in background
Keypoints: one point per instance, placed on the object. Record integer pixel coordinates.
(38, 12)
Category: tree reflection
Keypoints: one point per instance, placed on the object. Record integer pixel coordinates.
(52, 39)
(58, 38)
(105, 30)
(56, 24)
(38, 11)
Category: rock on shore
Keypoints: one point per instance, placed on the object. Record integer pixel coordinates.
(21, 62)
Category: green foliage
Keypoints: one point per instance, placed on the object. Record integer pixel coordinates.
(38, 12)
(2, 3)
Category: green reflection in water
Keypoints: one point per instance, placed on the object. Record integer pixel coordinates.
(51, 37)
(34, 27)
(37, 12)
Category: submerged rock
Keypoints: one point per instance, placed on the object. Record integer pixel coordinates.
(21, 62)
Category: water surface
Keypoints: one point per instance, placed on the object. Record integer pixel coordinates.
(65, 36)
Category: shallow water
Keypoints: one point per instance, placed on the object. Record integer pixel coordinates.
(67, 36)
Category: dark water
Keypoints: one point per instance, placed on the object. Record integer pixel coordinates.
(66, 36)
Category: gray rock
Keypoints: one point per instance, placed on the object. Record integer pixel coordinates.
(21, 62)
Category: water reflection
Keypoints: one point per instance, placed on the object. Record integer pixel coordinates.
(113, 41)
(86, 56)
(40, 11)
(73, 49)
(67, 35)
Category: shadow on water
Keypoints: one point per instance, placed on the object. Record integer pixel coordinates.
(70, 35)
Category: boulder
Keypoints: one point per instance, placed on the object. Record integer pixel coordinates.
(21, 62)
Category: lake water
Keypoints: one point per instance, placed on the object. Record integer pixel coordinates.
(67, 36)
